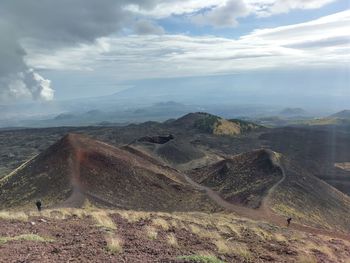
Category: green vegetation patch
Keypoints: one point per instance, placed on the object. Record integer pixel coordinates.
(26, 237)
(207, 124)
(201, 259)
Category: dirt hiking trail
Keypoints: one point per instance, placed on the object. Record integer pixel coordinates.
(264, 212)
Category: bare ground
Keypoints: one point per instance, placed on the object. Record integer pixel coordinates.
(76, 237)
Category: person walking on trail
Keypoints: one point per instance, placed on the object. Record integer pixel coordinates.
(38, 205)
(288, 220)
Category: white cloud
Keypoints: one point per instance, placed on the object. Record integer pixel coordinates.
(223, 16)
(136, 57)
(272, 7)
(175, 7)
(53, 24)
(212, 9)
(27, 85)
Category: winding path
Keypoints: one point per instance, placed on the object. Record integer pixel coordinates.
(266, 201)
(264, 212)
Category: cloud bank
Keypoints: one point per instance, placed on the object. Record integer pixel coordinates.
(137, 57)
(224, 13)
(53, 24)
(124, 35)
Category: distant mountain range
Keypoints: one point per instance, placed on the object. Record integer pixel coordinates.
(345, 114)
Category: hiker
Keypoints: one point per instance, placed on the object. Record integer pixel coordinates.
(38, 205)
(288, 221)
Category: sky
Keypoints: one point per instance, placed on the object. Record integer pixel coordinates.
(58, 50)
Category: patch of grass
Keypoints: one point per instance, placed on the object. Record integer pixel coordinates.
(174, 223)
(182, 225)
(222, 246)
(135, 216)
(161, 223)
(26, 237)
(263, 234)
(207, 124)
(114, 244)
(307, 259)
(151, 232)
(229, 248)
(171, 240)
(224, 127)
(204, 233)
(201, 259)
(9, 215)
(311, 246)
(55, 214)
(195, 229)
(230, 229)
(80, 213)
(297, 236)
(61, 213)
(102, 219)
(88, 205)
(242, 250)
(279, 237)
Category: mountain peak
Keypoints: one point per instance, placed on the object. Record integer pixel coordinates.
(209, 123)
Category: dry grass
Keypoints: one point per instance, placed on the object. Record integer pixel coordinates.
(26, 237)
(134, 216)
(195, 218)
(114, 244)
(172, 241)
(309, 258)
(230, 248)
(297, 236)
(225, 127)
(226, 232)
(204, 233)
(102, 219)
(229, 228)
(310, 246)
(174, 223)
(222, 246)
(161, 223)
(61, 213)
(55, 214)
(279, 237)
(151, 232)
(195, 229)
(80, 213)
(201, 259)
(9, 215)
(261, 233)
(179, 224)
(242, 250)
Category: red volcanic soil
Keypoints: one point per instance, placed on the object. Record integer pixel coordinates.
(77, 168)
(78, 239)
